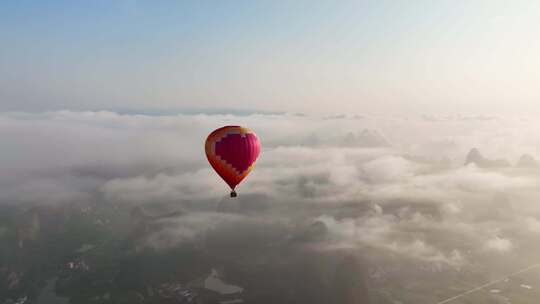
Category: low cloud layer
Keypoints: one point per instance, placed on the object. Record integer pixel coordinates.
(394, 191)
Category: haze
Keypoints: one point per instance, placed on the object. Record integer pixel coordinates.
(465, 57)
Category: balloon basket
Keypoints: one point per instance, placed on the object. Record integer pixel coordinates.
(233, 193)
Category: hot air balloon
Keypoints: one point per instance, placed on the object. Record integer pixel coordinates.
(232, 152)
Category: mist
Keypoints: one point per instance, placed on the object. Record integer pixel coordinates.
(374, 201)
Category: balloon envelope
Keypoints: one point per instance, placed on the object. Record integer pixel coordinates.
(232, 152)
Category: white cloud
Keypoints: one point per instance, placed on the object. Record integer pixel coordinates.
(499, 244)
(388, 169)
(161, 187)
(399, 200)
(381, 231)
(532, 224)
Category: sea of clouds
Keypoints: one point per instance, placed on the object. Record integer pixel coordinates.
(393, 190)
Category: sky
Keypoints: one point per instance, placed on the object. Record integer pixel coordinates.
(294, 56)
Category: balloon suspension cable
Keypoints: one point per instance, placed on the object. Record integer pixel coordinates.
(233, 193)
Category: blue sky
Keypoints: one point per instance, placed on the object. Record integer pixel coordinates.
(306, 56)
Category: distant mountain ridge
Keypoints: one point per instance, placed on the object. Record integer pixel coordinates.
(526, 161)
(475, 157)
